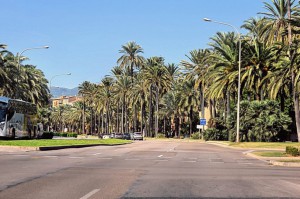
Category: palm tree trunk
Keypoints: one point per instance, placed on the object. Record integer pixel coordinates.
(83, 117)
(142, 119)
(102, 122)
(150, 111)
(191, 121)
(118, 107)
(228, 103)
(135, 119)
(156, 115)
(122, 117)
(202, 104)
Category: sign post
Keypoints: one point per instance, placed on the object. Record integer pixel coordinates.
(203, 123)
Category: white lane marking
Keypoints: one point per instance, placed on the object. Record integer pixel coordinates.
(246, 152)
(50, 156)
(132, 159)
(20, 155)
(191, 161)
(160, 156)
(161, 160)
(90, 194)
(192, 158)
(96, 154)
(105, 158)
(74, 157)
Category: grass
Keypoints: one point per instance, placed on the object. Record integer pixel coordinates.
(40, 143)
(271, 153)
(268, 145)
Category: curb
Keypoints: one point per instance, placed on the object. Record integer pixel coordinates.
(48, 148)
(285, 164)
(273, 161)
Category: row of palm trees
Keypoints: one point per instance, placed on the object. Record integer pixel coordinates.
(144, 92)
(149, 95)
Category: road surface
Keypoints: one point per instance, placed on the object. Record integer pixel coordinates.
(170, 169)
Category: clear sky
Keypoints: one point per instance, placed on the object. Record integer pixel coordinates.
(85, 36)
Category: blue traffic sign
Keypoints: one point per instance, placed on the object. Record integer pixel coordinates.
(202, 121)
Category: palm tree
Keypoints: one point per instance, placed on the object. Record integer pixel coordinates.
(85, 89)
(131, 57)
(189, 100)
(122, 88)
(156, 75)
(197, 69)
(259, 59)
(278, 20)
(224, 69)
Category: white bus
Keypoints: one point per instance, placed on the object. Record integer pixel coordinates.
(18, 119)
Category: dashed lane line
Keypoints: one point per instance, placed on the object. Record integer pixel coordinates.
(88, 195)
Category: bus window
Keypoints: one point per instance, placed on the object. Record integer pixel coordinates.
(2, 115)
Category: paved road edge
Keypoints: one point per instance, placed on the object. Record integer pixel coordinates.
(47, 148)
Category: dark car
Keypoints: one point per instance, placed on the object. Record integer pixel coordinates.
(127, 136)
(119, 136)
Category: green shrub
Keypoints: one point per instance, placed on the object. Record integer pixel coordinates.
(161, 135)
(195, 136)
(215, 134)
(56, 134)
(292, 151)
(72, 135)
(46, 135)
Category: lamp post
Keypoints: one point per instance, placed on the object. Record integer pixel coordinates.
(239, 75)
(56, 76)
(19, 57)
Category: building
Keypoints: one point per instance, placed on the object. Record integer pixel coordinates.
(65, 100)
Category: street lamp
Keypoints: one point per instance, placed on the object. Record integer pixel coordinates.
(56, 76)
(19, 57)
(239, 75)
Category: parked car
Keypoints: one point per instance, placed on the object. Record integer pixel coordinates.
(104, 136)
(112, 135)
(127, 136)
(119, 136)
(138, 136)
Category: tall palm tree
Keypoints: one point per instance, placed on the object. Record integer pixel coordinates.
(85, 89)
(157, 76)
(131, 56)
(197, 69)
(189, 100)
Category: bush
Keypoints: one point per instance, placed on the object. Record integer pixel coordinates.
(72, 135)
(46, 135)
(215, 134)
(293, 151)
(161, 135)
(56, 134)
(195, 136)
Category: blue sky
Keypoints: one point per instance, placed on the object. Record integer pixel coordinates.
(85, 36)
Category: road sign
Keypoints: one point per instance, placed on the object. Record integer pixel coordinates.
(202, 121)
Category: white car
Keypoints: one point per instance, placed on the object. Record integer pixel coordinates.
(138, 136)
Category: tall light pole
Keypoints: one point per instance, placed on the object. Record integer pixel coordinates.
(239, 75)
(19, 57)
(56, 76)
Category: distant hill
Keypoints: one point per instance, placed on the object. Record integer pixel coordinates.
(58, 91)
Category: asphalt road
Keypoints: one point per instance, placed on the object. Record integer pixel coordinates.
(158, 169)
